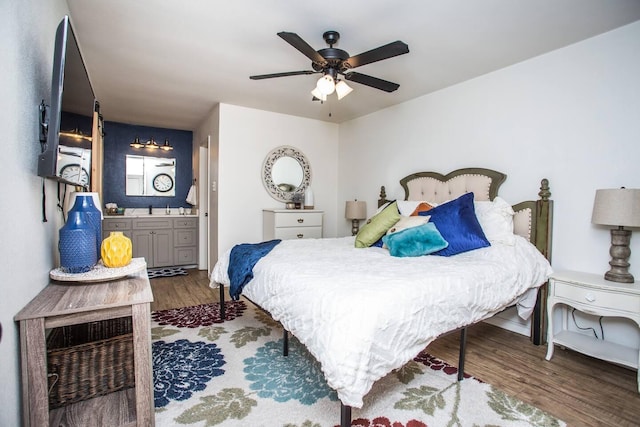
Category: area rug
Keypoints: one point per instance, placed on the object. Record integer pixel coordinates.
(207, 373)
(154, 273)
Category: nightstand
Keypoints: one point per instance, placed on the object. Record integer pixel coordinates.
(592, 294)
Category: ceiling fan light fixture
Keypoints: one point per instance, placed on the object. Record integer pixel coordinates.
(321, 96)
(343, 89)
(326, 85)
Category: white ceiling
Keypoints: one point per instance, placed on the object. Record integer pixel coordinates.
(166, 63)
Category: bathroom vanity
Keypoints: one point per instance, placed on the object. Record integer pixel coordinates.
(163, 240)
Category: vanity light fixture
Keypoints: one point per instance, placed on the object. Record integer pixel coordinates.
(136, 143)
(618, 207)
(151, 144)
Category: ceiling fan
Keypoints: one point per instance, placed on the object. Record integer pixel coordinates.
(333, 62)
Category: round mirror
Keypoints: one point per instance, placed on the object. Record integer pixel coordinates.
(285, 172)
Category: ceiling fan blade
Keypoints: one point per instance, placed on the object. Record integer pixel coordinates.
(286, 74)
(374, 82)
(378, 54)
(296, 41)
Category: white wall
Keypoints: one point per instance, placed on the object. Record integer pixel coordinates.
(207, 133)
(572, 116)
(246, 137)
(28, 249)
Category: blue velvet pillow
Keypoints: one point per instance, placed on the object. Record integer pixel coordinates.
(457, 222)
(415, 241)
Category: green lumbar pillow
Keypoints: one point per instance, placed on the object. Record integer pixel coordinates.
(377, 226)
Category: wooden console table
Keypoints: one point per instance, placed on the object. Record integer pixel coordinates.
(61, 304)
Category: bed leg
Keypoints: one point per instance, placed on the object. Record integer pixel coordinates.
(222, 313)
(463, 348)
(345, 415)
(285, 343)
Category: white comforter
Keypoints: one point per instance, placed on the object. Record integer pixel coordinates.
(363, 313)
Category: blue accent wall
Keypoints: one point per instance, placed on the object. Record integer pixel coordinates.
(117, 138)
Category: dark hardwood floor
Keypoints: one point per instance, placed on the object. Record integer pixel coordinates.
(580, 390)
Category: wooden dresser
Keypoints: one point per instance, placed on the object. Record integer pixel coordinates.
(291, 224)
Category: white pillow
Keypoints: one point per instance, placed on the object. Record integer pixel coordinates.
(496, 220)
(406, 207)
(407, 222)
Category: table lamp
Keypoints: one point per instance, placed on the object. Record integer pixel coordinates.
(618, 207)
(355, 211)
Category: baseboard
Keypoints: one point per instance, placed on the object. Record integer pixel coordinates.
(510, 321)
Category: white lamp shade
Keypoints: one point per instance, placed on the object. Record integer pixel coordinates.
(343, 89)
(326, 84)
(355, 209)
(321, 96)
(617, 207)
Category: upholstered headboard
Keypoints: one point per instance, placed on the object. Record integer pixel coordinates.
(484, 183)
(532, 218)
(435, 187)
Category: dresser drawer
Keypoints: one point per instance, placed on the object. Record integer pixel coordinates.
(116, 224)
(286, 233)
(597, 298)
(298, 219)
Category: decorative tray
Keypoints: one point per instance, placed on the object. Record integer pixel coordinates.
(100, 273)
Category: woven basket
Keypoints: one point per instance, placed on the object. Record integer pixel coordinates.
(89, 360)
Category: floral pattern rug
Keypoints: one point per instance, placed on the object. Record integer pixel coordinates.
(207, 373)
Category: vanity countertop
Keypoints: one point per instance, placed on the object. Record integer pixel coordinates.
(142, 215)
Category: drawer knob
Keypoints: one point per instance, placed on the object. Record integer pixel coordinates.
(300, 220)
(300, 236)
(590, 297)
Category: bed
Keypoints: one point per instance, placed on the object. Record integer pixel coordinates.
(363, 313)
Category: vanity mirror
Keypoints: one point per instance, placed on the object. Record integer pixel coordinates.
(285, 173)
(150, 176)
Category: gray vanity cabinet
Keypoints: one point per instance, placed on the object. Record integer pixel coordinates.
(161, 241)
(153, 239)
(185, 240)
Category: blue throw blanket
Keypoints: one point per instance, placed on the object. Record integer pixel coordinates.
(241, 261)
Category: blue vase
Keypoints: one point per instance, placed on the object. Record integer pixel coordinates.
(77, 244)
(84, 203)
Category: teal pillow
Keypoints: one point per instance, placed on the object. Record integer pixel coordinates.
(415, 241)
(377, 226)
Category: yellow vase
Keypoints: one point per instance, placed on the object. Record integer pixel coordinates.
(116, 250)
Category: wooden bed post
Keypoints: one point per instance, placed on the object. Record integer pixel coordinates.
(544, 221)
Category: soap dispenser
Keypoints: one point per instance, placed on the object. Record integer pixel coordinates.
(168, 211)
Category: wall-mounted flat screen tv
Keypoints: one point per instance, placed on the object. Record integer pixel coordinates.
(66, 154)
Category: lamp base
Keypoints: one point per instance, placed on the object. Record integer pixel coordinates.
(355, 226)
(620, 253)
